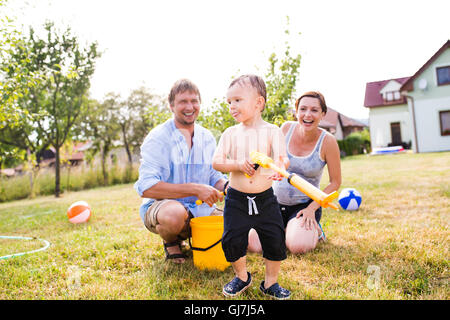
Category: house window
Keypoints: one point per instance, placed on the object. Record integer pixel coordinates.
(444, 117)
(443, 75)
(392, 96)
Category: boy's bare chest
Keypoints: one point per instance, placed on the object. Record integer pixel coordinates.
(245, 141)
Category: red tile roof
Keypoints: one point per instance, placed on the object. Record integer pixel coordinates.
(77, 150)
(373, 98)
(332, 117)
(350, 122)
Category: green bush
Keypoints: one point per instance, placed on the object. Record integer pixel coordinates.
(14, 188)
(355, 143)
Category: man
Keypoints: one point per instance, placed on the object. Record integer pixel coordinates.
(176, 170)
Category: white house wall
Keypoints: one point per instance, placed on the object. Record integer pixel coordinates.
(429, 136)
(380, 119)
(427, 104)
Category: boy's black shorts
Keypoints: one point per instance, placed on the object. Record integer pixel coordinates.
(240, 215)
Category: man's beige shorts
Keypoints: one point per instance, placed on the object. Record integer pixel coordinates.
(151, 216)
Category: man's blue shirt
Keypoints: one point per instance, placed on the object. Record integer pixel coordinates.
(165, 156)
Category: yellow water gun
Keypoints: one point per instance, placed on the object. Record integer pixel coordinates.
(325, 200)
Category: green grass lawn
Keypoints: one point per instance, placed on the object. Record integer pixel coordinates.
(396, 246)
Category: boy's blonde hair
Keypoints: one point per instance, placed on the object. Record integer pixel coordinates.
(255, 81)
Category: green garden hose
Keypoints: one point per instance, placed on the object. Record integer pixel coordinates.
(45, 247)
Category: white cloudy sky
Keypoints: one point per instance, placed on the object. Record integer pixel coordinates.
(343, 43)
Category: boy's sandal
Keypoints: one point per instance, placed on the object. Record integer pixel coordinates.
(275, 291)
(173, 255)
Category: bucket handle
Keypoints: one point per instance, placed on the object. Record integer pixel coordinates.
(204, 249)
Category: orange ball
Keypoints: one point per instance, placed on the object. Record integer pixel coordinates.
(79, 212)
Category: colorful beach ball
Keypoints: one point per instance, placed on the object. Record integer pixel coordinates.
(79, 212)
(349, 199)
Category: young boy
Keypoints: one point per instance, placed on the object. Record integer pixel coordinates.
(250, 202)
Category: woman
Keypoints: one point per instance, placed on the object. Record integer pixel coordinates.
(309, 148)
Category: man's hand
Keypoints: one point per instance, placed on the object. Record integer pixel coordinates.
(208, 194)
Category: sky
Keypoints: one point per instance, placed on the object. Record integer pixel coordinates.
(343, 43)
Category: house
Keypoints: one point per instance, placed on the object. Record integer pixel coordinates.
(74, 156)
(340, 125)
(8, 172)
(389, 118)
(413, 111)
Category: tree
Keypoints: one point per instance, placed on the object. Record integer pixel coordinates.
(15, 78)
(24, 141)
(281, 88)
(9, 156)
(217, 118)
(118, 122)
(139, 112)
(100, 125)
(64, 68)
(280, 78)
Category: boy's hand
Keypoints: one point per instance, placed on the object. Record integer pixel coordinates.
(247, 167)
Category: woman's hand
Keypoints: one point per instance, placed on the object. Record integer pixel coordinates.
(309, 219)
(276, 177)
(281, 163)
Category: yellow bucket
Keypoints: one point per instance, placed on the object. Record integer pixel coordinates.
(206, 243)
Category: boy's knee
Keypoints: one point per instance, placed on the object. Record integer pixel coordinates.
(234, 248)
(254, 245)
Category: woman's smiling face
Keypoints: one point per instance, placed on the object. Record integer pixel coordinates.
(309, 112)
